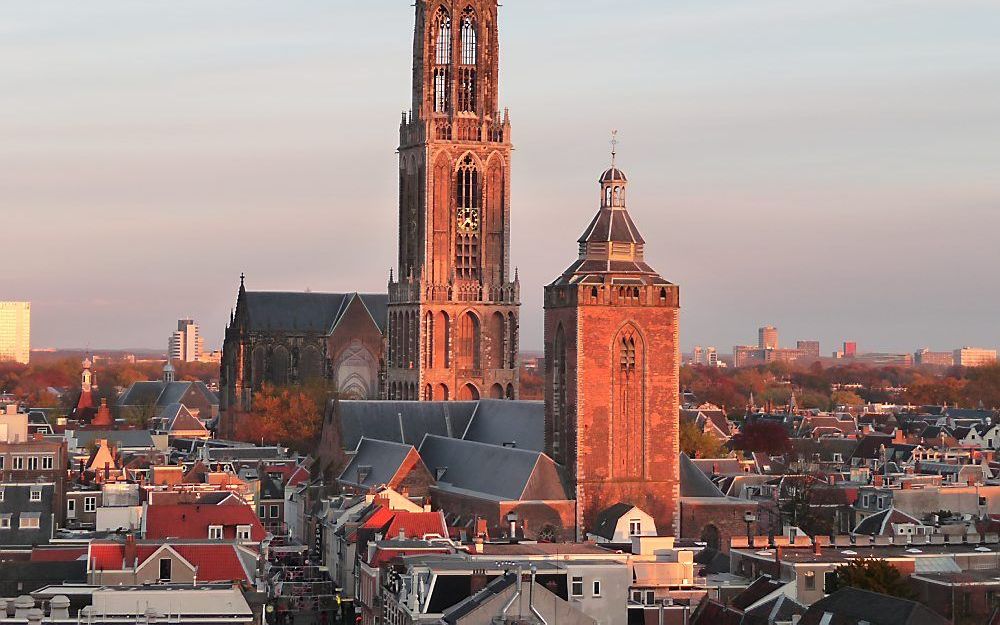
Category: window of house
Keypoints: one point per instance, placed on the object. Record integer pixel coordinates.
(243, 532)
(4, 521)
(36, 494)
(637, 596)
(29, 522)
(273, 512)
(17, 463)
(165, 566)
(576, 588)
(829, 581)
(1, 462)
(215, 532)
(635, 527)
(597, 588)
(47, 462)
(810, 580)
(865, 501)
(71, 508)
(90, 504)
(262, 511)
(32, 463)
(650, 597)
(1, 493)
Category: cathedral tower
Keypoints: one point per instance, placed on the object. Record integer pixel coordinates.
(611, 371)
(453, 303)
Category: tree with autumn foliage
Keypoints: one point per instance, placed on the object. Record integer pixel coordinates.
(696, 443)
(762, 436)
(287, 415)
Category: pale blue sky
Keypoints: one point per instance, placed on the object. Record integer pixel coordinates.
(832, 168)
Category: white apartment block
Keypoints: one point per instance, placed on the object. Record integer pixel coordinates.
(975, 357)
(186, 343)
(15, 331)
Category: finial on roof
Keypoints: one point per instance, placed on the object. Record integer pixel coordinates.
(614, 147)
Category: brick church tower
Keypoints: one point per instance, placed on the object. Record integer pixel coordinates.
(611, 371)
(453, 303)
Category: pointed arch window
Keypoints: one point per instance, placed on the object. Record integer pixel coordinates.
(467, 77)
(442, 60)
(443, 44)
(469, 39)
(468, 215)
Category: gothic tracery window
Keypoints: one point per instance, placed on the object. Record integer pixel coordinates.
(467, 76)
(442, 60)
(467, 212)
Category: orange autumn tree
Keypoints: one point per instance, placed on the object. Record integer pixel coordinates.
(285, 415)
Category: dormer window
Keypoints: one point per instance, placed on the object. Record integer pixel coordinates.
(36, 494)
(215, 532)
(243, 532)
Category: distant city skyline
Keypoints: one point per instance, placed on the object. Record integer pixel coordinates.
(829, 170)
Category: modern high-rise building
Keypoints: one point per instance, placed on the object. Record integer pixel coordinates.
(939, 359)
(185, 344)
(15, 331)
(712, 356)
(698, 355)
(808, 348)
(767, 337)
(975, 357)
(850, 349)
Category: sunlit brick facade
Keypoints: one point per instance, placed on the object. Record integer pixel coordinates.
(612, 361)
(453, 302)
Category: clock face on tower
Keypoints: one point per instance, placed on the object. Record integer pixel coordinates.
(468, 219)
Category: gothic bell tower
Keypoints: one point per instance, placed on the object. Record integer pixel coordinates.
(611, 370)
(453, 302)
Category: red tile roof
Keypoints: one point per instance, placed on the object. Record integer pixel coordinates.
(417, 525)
(59, 554)
(193, 521)
(214, 562)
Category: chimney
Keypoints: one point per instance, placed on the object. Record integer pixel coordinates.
(878, 480)
(59, 607)
(35, 616)
(817, 548)
(22, 605)
(131, 552)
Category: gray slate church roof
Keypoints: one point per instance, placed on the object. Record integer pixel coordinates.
(309, 313)
(501, 473)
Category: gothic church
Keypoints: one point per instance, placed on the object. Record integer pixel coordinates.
(446, 332)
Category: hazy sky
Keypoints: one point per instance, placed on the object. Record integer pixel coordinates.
(832, 168)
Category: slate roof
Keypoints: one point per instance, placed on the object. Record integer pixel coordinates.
(309, 313)
(470, 604)
(850, 606)
(881, 524)
(760, 588)
(162, 394)
(490, 471)
(607, 520)
(27, 577)
(120, 438)
(694, 483)
(497, 422)
(612, 224)
(778, 609)
(383, 459)
(179, 419)
(401, 421)
(16, 505)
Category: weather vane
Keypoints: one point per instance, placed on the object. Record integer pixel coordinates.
(614, 147)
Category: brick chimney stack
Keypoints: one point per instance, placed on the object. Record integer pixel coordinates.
(131, 552)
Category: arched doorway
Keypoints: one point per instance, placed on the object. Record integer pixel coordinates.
(496, 391)
(710, 536)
